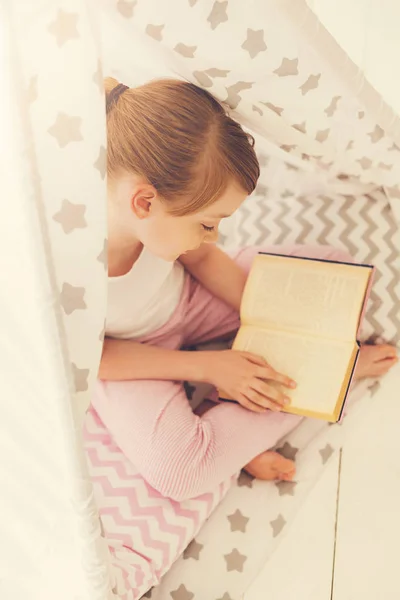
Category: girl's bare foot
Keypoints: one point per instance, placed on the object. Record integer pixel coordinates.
(375, 360)
(271, 466)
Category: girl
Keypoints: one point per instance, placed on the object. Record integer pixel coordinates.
(177, 165)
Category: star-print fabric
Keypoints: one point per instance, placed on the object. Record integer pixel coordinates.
(53, 150)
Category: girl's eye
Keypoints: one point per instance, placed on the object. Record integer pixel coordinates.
(207, 228)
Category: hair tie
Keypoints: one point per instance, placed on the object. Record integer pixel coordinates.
(112, 97)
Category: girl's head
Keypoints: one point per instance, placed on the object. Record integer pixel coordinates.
(177, 164)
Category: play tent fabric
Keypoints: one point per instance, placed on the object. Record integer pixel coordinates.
(53, 282)
(368, 32)
(330, 142)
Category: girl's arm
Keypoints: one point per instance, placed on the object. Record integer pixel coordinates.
(217, 272)
(125, 359)
(242, 375)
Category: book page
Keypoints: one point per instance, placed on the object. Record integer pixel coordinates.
(317, 365)
(299, 295)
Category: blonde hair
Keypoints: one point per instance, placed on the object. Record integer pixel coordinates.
(181, 140)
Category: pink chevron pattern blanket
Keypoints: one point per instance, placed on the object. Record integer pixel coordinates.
(146, 533)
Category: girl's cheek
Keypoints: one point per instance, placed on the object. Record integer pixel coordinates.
(211, 237)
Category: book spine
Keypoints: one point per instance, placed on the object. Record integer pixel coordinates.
(343, 410)
(366, 298)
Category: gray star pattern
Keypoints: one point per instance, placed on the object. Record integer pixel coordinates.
(182, 593)
(155, 31)
(322, 135)
(71, 216)
(186, 51)
(64, 28)
(287, 67)
(72, 298)
(277, 109)
(365, 162)
(233, 98)
(102, 257)
(377, 134)
(66, 129)
(101, 162)
(238, 521)
(193, 550)
(245, 480)
(277, 525)
(288, 451)
(80, 378)
(311, 84)
(326, 453)
(254, 43)
(235, 561)
(286, 488)
(300, 127)
(205, 78)
(218, 14)
(331, 109)
(126, 8)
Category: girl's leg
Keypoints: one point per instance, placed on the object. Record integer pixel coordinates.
(148, 454)
(178, 453)
(268, 465)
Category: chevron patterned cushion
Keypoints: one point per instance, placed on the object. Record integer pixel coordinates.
(145, 532)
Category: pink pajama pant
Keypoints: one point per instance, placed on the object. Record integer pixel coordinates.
(143, 440)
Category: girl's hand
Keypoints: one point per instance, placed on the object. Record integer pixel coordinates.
(247, 378)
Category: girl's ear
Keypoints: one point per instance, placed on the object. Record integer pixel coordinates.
(142, 200)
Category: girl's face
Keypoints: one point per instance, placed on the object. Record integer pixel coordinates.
(169, 236)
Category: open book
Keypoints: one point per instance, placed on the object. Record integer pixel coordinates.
(303, 315)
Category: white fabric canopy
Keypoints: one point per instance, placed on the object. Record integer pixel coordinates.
(368, 33)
